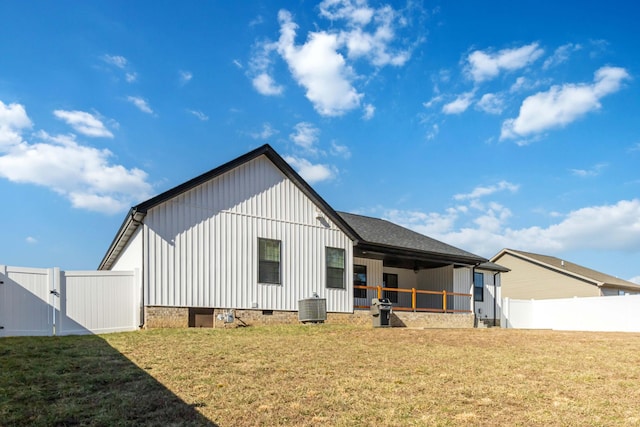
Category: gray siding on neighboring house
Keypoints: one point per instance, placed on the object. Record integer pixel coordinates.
(201, 247)
(527, 280)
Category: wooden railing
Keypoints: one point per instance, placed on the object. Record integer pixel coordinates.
(444, 304)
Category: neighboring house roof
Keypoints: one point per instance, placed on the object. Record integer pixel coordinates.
(565, 267)
(137, 213)
(389, 238)
(492, 266)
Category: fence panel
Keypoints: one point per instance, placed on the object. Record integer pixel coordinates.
(598, 314)
(98, 302)
(36, 301)
(25, 300)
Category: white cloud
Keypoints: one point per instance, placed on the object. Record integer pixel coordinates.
(140, 103)
(491, 103)
(485, 66)
(458, 105)
(357, 13)
(82, 174)
(265, 85)
(561, 105)
(433, 132)
(311, 173)
(115, 60)
(635, 280)
(267, 132)
(435, 100)
(185, 76)
(605, 227)
(31, 240)
(199, 114)
(340, 150)
(319, 68)
(482, 191)
(324, 64)
(131, 77)
(238, 64)
(305, 135)
(13, 119)
(84, 123)
(369, 112)
(561, 55)
(594, 171)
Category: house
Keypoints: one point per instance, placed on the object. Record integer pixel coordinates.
(535, 276)
(249, 239)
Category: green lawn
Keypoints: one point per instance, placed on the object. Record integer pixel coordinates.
(322, 375)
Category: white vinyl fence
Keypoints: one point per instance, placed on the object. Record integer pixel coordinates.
(48, 301)
(607, 314)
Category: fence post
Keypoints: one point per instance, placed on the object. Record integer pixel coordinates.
(504, 315)
(444, 301)
(413, 299)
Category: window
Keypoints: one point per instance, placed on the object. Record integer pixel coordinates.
(478, 286)
(269, 261)
(390, 281)
(335, 268)
(359, 279)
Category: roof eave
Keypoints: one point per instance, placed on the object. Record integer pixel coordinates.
(434, 256)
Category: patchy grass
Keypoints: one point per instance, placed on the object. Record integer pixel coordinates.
(323, 375)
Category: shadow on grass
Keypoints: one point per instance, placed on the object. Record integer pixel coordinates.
(82, 380)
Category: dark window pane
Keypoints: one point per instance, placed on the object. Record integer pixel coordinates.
(359, 279)
(269, 261)
(335, 267)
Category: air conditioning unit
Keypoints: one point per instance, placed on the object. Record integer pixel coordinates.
(312, 310)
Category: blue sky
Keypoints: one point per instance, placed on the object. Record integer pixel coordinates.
(500, 125)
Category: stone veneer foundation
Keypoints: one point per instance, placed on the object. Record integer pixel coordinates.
(178, 317)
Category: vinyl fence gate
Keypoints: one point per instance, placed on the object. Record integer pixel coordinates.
(48, 301)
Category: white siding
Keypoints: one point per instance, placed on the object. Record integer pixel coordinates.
(489, 307)
(201, 247)
(131, 256)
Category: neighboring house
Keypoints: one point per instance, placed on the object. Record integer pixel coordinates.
(535, 276)
(254, 237)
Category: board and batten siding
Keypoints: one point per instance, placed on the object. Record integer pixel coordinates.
(489, 307)
(201, 247)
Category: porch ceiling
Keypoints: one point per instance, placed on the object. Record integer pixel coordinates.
(410, 262)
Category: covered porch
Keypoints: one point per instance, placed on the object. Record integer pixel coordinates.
(412, 285)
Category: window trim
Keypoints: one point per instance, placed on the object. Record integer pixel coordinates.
(327, 267)
(279, 262)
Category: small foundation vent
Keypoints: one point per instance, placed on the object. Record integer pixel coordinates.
(312, 310)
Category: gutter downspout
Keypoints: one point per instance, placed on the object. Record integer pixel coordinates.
(473, 293)
(139, 223)
(495, 297)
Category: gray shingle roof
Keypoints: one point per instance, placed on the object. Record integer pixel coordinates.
(569, 267)
(387, 234)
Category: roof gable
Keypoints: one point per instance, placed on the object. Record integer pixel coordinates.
(565, 267)
(137, 213)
